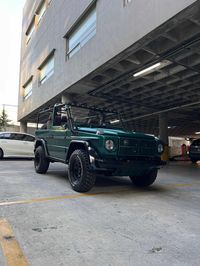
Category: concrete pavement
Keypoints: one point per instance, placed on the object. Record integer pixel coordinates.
(114, 224)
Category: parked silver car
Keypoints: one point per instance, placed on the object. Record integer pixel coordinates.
(15, 144)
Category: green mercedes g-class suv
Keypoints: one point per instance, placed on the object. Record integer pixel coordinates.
(94, 141)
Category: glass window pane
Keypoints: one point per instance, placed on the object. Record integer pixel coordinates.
(28, 90)
(83, 33)
(30, 32)
(41, 11)
(47, 70)
(28, 138)
(17, 136)
(7, 135)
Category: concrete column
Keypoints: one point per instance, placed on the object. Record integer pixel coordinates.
(163, 134)
(23, 127)
(163, 128)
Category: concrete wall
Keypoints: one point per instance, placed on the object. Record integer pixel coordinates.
(175, 144)
(14, 128)
(118, 27)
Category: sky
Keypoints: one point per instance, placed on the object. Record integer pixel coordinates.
(10, 43)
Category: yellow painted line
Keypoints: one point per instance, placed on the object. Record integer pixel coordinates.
(75, 196)
(81, 195)
(11, 249)
(179, 185)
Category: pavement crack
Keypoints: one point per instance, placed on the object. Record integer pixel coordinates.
(155, 250)
(39, 230)
(8, 237)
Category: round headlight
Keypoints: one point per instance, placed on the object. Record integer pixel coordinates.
(160, 148)
(109, 144)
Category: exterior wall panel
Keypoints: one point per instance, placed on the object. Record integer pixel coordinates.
(118, 27)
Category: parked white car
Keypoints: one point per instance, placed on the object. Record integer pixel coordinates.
(15, 144)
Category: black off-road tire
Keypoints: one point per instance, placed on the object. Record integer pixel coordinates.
(1, 154)
(144, 181)
(81, 178)
(41, 163)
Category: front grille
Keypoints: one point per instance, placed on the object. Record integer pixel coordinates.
(195, 149)
(148, 147)
(129, 147)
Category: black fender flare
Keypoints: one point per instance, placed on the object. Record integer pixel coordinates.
(41, 142)
(81, 144)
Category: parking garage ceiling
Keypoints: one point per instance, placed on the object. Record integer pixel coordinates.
(171, 86)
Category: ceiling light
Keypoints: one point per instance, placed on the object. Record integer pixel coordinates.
(171, 127)
(115, 121)
(146, 70)
(152, 68)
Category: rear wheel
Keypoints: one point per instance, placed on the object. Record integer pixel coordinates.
(80, 176)
(1, 153)
(144, 181)
(41, 163)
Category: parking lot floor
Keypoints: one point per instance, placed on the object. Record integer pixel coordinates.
(43, 222)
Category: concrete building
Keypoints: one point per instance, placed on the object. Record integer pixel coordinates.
(139, 56)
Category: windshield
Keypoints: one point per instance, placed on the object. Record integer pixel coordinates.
(84, 117)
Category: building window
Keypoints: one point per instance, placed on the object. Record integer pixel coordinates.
(126, 2)
(82, 33)
(30, 32)
(41, 10)
(28, 89)
(46, 69)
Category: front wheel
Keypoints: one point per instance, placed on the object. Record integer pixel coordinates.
(80, 176)
(146, 180)
(41, 163)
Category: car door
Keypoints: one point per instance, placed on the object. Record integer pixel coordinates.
(28, 145)
(16, 144)
(5, 143)
(10, 144)
(58, 142)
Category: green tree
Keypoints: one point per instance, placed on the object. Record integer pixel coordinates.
(4, 120)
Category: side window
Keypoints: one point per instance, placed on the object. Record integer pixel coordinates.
(29, 138)
(17, 136)
(6, 136)
(60, 117)
(57, 120)
(57, 116)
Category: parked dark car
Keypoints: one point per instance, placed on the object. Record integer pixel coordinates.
(194, 151)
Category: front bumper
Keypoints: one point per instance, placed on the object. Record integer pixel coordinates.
(133, 166)
(194, 156)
